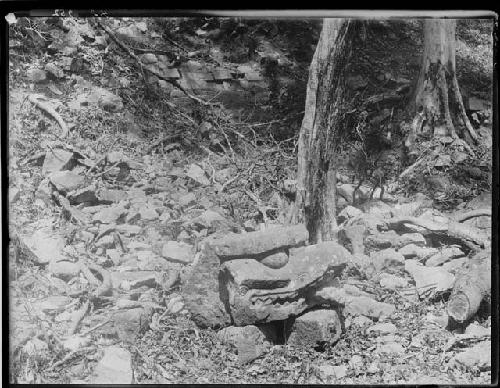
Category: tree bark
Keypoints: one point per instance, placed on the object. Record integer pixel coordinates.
(438, 102)
(315, 202)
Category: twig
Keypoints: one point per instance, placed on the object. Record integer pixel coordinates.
(51, 112)
(88, 331)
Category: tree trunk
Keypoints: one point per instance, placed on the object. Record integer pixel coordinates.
(315, 202)
(438, 102)
(471, 287)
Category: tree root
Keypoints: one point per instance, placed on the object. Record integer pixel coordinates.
(45, 107)
(470, 236)
(474, 213)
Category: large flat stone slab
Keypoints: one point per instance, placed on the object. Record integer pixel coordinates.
(255, 244)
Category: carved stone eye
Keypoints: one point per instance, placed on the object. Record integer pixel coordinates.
(242, 290)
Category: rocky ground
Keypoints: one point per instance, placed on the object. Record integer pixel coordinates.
(116, 182)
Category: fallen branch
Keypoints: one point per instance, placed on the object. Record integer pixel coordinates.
(150, 70)
(45, 107)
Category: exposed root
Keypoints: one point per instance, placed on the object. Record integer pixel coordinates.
(45, 107)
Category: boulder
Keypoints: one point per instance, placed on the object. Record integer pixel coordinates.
(318, 327)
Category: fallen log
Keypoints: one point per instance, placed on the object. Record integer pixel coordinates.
(471, 287)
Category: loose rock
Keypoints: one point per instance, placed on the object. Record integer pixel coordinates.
(314, 328)
(178, 252)
(114, 368)
(66, 181)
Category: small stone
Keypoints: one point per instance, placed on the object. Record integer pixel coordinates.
(178, 252)
(138, 246)
(196, 173)
(149, 58)
(128, 230)
(187, 200)
(410, 238)
(57, 159)
(387, 258)
(276, 260)
(209, 219)
(382, 328)
(148, 213)
(361, 321)
(429, 280)
(109, 101)
(328, 371)
(76, 342)
(349, 212)
(251, 342)
(175, 305)
(66, 181)
(381, 240)
(392, 282)
(413, 251)
(114, 368)
(444, 256)
(52, 304)
(356, 361)
(369, 307)
(43, 246)
(65, 270)
(250, 226)
(36, 75)
(114, 255)
(478, 356)
(85, 195)
(54, 70)
(14, 194)
(112, 214)
(346, 191)
(314, 328)
(105, 242)
(390, 348)
(107, 196)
